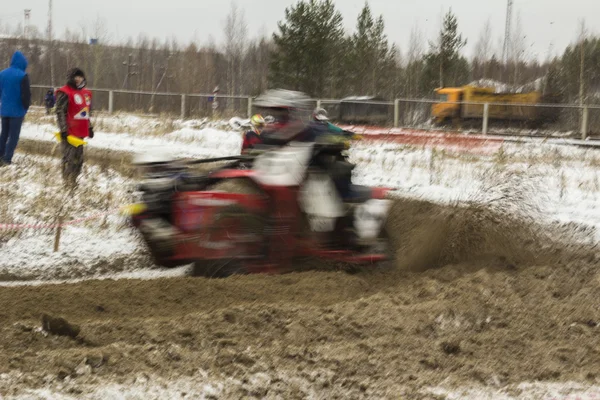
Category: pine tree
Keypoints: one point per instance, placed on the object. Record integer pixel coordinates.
(555, 81)
(306, 46)
(372, 61)
(570, 65)
(444, 63)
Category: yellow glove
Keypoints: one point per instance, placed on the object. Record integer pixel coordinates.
(72, 140)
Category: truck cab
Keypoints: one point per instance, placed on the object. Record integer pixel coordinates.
(448, 105)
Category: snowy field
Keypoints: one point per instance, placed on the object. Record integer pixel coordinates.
(562, 181)
(131, 133)
(209, 387)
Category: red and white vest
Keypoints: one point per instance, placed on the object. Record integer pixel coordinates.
(78, 112)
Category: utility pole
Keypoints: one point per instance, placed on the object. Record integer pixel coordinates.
(130, 71)
(584, 109)
(507, 31)
(26, 17)
(441, 56)
(50, 43)
(582, 41)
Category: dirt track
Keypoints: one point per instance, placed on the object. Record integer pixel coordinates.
(476, 298)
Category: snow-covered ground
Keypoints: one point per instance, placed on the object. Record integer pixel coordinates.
(129, 133)
(524, 391)
(206, 386)
(34, 202)
(563, 181)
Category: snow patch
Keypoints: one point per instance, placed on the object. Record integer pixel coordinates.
(184, 142)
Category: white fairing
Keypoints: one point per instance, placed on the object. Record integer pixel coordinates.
(285, 166)
(154, 155)
(369, 218)
(321, 202)
(238, 123)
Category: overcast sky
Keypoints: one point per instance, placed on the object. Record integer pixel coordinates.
(549, 25)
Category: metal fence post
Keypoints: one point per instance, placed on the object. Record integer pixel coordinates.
(318, 103)
(249, 107)
(396, 113)
(486, 116)
(584, 122)
(111, 101)
(183, 106)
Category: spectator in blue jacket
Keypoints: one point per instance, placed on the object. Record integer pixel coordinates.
(15, 99)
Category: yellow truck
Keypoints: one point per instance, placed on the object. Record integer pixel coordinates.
(453, 105)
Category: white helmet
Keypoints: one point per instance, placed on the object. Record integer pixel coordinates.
(288, 104)
(320, 114)
(281, 98)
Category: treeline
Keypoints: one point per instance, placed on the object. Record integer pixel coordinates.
(311, 52)
(146, 64)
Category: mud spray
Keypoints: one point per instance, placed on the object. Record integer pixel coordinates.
(503, 218)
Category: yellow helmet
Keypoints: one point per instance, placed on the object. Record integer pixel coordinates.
(258, 123)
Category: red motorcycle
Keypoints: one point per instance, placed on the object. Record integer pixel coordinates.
(260, 213)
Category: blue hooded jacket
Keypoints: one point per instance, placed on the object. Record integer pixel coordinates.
(15, 93)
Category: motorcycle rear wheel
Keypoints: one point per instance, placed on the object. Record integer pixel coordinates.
(235, 222)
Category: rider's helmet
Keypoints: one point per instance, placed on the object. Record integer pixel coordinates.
(320, 114)
(258, 123)
(284, 106)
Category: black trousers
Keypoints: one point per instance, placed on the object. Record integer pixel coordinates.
(72, 162)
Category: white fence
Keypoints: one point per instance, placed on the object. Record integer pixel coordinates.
(552, 119)
(184, 105)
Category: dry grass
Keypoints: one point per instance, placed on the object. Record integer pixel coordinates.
(594, 161)
(501, 158)
(116, 160)
(135, 124)
(39, 117)
(33, 193)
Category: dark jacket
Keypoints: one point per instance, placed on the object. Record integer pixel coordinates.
(49, 99)
(15, 92)
(251, 139)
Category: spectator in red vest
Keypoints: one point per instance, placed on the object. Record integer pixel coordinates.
(73, 109)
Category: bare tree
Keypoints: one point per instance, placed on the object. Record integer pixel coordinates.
(256, 66)
(210, 64)
(235, 29)
(582, 43)
(415, 44)
(4, 27)
(241, 48)
(395, 67)
(414, 56)
(483, 48)
(99, 32)
(518, 47)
